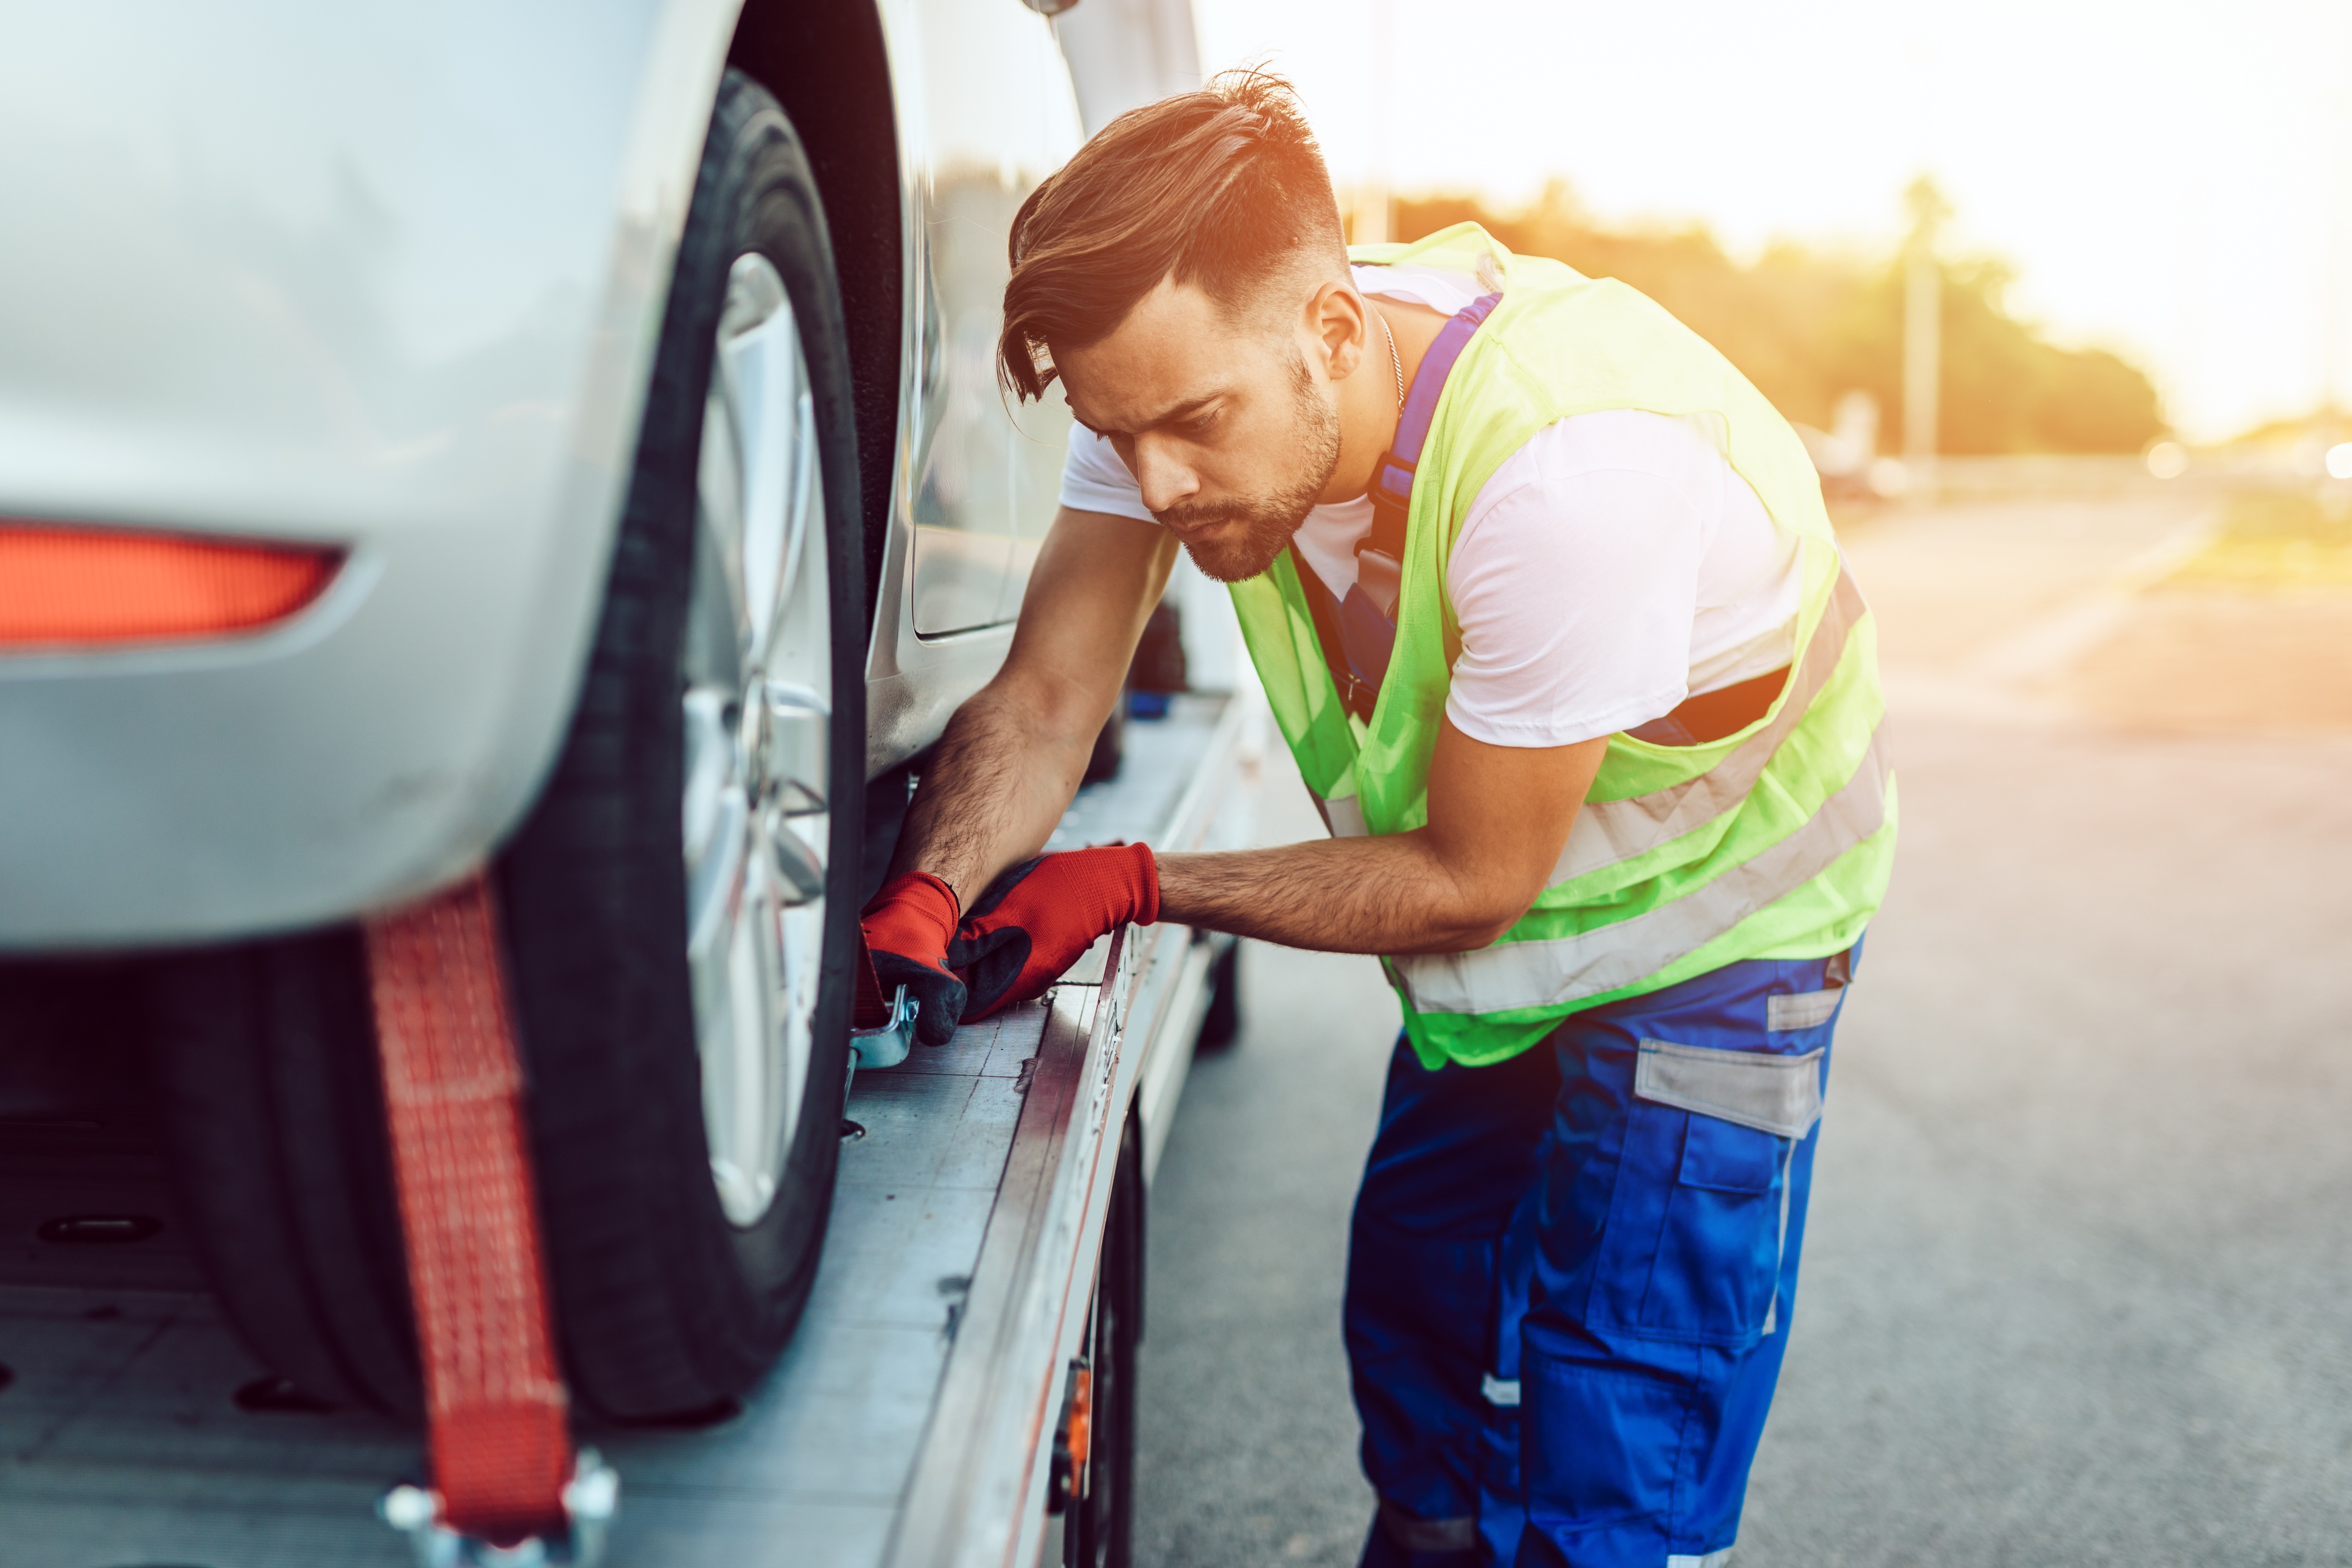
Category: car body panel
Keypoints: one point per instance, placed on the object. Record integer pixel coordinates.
(385, 280)
(1001, 118)
(390, 280)
(976, 479)
(966, 175)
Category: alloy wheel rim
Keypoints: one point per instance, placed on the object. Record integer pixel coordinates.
(758, 700)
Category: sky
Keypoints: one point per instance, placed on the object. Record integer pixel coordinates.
(2170, 181)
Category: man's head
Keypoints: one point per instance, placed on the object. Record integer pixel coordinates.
(1178, 275)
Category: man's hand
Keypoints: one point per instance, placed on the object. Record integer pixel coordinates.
(908, 928)
(1037, 918)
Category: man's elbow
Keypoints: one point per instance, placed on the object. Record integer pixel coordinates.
(1480, 920)
(1486, 933)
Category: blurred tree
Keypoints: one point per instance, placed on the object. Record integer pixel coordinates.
(1806, 326)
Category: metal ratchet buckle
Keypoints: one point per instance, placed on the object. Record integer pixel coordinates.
(887, 1045)
(589, 1500)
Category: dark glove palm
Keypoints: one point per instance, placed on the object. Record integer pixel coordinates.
(1037, 918)
(907, 930)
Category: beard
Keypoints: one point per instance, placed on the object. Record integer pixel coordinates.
(1252, 530)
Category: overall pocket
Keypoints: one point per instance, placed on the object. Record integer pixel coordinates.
(1692, 1249)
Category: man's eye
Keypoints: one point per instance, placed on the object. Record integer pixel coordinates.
(1199, 424)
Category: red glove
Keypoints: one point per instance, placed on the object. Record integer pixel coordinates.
(1037, 918)
(908, 929)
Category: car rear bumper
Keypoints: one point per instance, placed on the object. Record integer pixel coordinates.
(364, 752)
(388, 284)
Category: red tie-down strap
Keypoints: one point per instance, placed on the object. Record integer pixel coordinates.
(499, 1438)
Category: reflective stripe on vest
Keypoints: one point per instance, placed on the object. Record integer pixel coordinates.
(1548, 972)
(1609, 831)
(1343, 815)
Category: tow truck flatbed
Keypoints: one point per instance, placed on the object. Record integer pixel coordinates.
(912, 1419)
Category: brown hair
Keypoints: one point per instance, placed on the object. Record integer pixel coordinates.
(1224, 187)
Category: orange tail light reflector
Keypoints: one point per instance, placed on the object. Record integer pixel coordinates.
(64, 587)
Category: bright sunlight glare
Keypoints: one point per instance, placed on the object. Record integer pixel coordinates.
(2168, 180)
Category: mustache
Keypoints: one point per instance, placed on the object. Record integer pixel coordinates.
(1194, 514)
(1198, 514)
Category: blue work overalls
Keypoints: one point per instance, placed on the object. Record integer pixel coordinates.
(1568, 1293)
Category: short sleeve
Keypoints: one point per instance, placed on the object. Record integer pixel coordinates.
(1095, 479)
(1575, 593)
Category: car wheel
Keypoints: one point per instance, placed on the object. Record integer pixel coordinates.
(1220, 1022)
(678, 909)
(1098, 1524)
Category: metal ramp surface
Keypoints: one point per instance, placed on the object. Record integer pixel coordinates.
(122, 1443)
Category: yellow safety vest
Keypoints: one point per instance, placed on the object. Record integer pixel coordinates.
(1772, 842)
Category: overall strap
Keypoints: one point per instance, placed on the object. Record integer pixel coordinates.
(1392, 491)
(1367, 617)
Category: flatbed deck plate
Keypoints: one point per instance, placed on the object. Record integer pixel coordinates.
(121, 1443)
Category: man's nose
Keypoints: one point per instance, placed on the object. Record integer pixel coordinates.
(1166, 481)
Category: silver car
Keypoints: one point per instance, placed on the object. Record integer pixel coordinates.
(554, 439)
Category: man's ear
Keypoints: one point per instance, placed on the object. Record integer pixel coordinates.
(1340, 321)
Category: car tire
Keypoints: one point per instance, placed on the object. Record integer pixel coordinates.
(677, 1270)
(1221, 1023)
(1098, 1521)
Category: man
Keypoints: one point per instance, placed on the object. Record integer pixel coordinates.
(1594, 722)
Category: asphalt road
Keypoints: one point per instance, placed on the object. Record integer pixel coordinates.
(2079, 1278)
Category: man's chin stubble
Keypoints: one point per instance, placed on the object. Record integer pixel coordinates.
(1241, 558)
(1267, 525)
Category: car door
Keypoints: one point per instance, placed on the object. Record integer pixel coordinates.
(997, 115)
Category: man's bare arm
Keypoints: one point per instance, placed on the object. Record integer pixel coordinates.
(1498, 817)
(1011, 757)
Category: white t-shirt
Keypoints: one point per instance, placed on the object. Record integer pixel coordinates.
(1611, 567)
